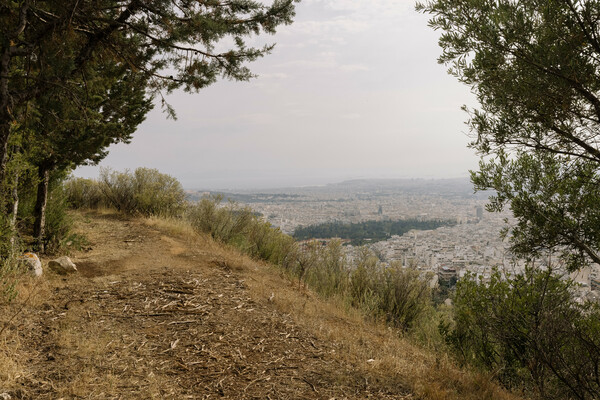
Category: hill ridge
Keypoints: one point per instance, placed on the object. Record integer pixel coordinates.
(160, 313)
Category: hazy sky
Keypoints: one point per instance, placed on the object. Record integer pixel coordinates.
(352, 90)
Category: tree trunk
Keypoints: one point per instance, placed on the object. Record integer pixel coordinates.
(15, 211)
(5, 117)
(39, 226)
(4, 134)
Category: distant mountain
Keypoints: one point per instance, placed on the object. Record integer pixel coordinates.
(462, 186)
(455, 187)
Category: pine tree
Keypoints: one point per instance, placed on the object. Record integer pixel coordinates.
(71, 133)
(46, 47)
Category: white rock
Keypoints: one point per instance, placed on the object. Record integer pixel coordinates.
(62, 265)
(6, 396)
(33, 263)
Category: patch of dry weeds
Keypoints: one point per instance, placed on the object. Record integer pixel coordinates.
(159, 312)
(373, 350)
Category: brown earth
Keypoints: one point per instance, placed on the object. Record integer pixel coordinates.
(157, 312)
(149, 316)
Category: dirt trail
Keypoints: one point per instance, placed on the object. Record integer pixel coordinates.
(151, 315)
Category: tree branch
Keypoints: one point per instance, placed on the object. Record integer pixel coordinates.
(588, 148)
(22, 20)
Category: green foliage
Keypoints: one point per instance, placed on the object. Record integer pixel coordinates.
(117, 188)
(396, 295)
(156, 193)
(77, 76)
(9, 272)
(86, 71)
(227, 224)
(363, 280)
(58, 222)
(533, 66)
(404, 295)
(241, 228)
(444, 290)
(7, 233)
(555, 204)
(430, 327)
(531, 332)
(399, 296)
(270, 244)
(84, 193)
(145, 192)
(329, 274)
(360, 232)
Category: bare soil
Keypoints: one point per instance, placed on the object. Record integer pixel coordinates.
(157, 315)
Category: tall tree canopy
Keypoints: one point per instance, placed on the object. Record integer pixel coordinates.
(534, 67)
(48, 46)
(64, 134)
(79, 75)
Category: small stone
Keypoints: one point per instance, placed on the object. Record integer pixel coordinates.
(5, 396)
(33, 263)
(62, 265)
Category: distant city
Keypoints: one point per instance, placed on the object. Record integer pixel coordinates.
(473, 244)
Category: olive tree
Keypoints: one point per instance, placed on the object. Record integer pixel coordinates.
(533, 66)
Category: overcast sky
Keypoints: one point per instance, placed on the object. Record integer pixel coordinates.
(352, 90)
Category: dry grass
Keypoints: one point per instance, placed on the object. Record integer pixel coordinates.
(12, 358)
(222, 254)
(371, 348)
(158, 311)
(11, 368)
(173, 226)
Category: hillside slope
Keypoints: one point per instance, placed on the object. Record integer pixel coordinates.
(158, 312)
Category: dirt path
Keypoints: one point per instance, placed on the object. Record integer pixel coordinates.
(151, 315)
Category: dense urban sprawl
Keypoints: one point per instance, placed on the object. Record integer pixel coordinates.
(474, 245)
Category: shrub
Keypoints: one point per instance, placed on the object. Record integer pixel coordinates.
(84, 193)
(239, 227)
(156, 193)
(307, 258)
(7, 236)
(227, 224)
(403, 295)
(329, 273)
(270, 244)
(58, 222)
(117, 188)
(145, 191)
(9, 248)
(397, 295)
(531, 332)
(363, 280)
(8, 278)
